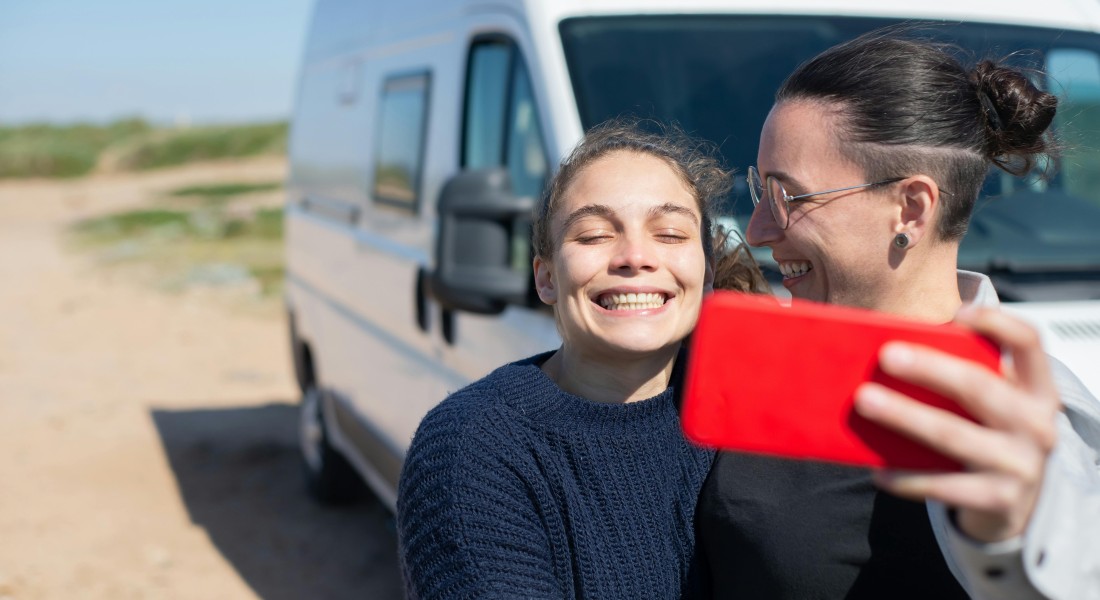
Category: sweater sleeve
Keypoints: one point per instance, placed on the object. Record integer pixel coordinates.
(1058, 557)
(467, 524)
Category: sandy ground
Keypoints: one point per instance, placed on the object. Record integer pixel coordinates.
(148, 439)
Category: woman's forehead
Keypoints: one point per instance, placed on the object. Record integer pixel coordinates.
(799, 141)
(624, 178)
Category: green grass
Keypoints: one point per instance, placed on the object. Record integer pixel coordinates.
(184, 247)
(205, 143)
(268, 224)
(217, 195)
(225, 190)
(43, 150)
(133, 223)
(270, 278)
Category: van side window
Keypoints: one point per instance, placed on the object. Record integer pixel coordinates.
(486, 91)
(399, 141)
(526, 159)
(501, 122)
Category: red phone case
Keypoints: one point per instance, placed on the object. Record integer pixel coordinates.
(779, 380)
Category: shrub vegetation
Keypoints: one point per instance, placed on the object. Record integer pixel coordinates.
(44, 150)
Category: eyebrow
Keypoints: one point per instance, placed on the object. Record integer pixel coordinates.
(670, 208)
(606, 212)
(591, 210)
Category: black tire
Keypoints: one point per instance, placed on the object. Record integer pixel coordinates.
(330, 479)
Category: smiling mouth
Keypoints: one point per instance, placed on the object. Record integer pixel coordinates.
(632, 301)
(796, 268)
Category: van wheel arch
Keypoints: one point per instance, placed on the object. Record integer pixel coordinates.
(330, 478)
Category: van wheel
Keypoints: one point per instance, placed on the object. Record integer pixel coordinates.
(329, 477)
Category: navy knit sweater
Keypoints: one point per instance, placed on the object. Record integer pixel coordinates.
(514, 488)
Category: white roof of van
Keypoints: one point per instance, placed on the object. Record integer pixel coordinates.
(1062, 14)
(343, 25)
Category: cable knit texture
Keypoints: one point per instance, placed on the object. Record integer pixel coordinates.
(513, 488)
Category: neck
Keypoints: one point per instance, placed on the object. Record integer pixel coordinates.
(926, 285)
(611, 380)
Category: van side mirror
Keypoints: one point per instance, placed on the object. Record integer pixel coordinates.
(482, 258)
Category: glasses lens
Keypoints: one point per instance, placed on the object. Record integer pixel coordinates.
(756, 187)
(778, 197)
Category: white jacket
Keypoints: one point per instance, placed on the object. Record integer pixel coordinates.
(1058, 556)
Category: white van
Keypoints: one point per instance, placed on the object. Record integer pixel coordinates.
(424, 130)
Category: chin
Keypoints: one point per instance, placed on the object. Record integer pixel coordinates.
(639, 346)
(811, 295)
(629, 339)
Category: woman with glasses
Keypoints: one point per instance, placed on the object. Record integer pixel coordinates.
(869, 165)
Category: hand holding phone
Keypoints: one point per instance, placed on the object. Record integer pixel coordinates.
(780, 380)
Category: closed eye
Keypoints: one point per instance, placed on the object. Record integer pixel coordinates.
(594, 237)
(672, 236)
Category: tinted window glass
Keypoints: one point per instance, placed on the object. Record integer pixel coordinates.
(526, 160)
(501, 128)
(717, 76)
(1075, 75)
(486, 93)
(400, 141)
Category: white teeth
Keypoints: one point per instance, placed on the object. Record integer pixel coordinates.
(794, 268)
(632, 301)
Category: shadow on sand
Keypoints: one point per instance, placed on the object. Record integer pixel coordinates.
(239, 475)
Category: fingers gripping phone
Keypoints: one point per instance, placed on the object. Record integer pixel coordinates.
(780, 380)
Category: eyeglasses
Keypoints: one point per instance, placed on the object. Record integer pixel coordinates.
(775, 192)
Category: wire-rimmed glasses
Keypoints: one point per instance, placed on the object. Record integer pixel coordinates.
(781, 210)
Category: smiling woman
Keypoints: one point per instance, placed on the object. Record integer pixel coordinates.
(566, 474)
(626, 227)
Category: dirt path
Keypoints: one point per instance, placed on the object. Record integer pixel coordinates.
(148, 439)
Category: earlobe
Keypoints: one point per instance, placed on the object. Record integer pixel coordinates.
(708, 278)
(544, 281)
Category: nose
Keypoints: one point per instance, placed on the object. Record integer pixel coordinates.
(762, 229)
(634, 254)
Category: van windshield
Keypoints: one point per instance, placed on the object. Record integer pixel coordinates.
(717, 75)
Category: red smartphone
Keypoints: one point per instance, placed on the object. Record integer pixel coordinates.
(780, 380)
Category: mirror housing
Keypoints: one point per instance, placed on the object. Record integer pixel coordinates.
(483, 252)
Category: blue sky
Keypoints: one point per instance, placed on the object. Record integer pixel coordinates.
(197, 61)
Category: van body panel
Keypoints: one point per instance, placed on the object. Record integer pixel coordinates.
(1070, 331)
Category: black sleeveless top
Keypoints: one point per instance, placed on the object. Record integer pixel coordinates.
(776, 528)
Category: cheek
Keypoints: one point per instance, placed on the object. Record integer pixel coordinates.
(827, 235)
(574, 269)
(859, 240)
(849, 253)
(689, 268)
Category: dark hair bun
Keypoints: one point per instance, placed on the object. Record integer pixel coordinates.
(1017, 116)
